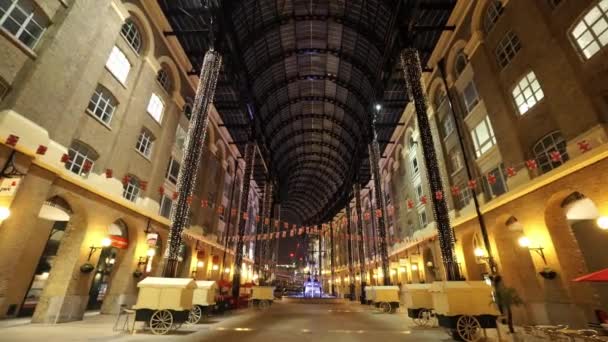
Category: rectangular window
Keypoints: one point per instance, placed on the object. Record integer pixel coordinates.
(497, 177)
(422, 217)
(119, 65)
(464, 197)
(591, 32)
(507, 48)
(180, 138)
(470, 96)
(414, 163)
(172, 171)
(483, 137)
(102, 105)
(527, 93)
(155, 107)
(165, 206)
(20, 19)
(131, 190)
(447, 125)
(456, 160)
(144, 143)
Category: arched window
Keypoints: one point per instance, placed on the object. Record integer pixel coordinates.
(131, 34)
(102, 104)
(591, 32)
(492, 14)
(164, 80)
(82, 158)
(187, 110)
(460, 63)
(23, 20)
(440, 97)
(527, 93)
(544, 151)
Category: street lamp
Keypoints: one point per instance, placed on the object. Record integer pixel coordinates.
(525, 242)
(602, 222)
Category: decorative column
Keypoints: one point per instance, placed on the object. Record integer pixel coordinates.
(410, 62)
(349, 246)
(363, 275)
(238, 257)
(320, 259)
(228, 213)
(374, 159)
(274, 243)
(195, 140)
(331, 257)
(257, 258)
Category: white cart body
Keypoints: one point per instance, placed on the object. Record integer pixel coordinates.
(370, 293)
(388, 294)
(157, 293)
(418, 296)
(452, 298)
(262, 293)
(205, 292)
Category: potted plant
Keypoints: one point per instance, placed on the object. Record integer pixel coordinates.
(505, 299)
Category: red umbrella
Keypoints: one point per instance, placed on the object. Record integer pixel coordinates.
(599, 276)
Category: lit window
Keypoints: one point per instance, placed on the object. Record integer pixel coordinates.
(553, 142)
(422, 217)
(470, 96)
(130, 33)
(447, 125)
(460, 63)
(119, 65)
(163, 79)
(455, 160)
(527, 92)
(165, 206)
(483, 137)
(493, 12)
(82, 158)
(102, 105)
(180, 138)
(591, 33)
(507, 48)
(155, 107)
(21, 19)
(131, 189)
(145, 143)
(172, 171)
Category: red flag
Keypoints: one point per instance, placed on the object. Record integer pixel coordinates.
(143, 185)
(439, 195)
(65, 158)
(472, 184)
(378, 213)
(220, 210)
(410, 204)
(584, 146)
(423, 199)
(556, 156)
(41, 150)
(12, 140)
(86, 167)
(511, 172)
(531, 164)
(204, 203)
(455, 190)
(174, 196)
(491, 179)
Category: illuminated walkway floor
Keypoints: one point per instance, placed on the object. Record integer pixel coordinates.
(282, 322)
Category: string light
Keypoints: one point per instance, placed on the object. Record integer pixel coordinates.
(410, 61)
(195, 139)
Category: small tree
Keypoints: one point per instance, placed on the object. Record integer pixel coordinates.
(506, 298)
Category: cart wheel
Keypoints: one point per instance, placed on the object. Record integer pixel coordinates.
(161, 322)
(263, 304)
(385, 307)
(468, 328)
(195, 315)
(424, 318)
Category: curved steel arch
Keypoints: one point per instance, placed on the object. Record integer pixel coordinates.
(304, 203)
(295, 209)
(311, 189)
(310, 143)
(323, 168)
(302, 197)
(304, 178)
(295, 118)
(306, 77)
(324, 131)
(303, 156)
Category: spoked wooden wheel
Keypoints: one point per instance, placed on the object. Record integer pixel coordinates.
(468, 328)
(195, 315)
(385, 307)
(161, 322)
(263, 304)
(424, 318)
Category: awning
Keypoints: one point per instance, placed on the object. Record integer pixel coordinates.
(599, 276)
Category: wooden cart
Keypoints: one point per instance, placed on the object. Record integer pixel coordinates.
(386, 298)
(262, 296)
(370, 294)
(203, 300)
(164, 303)
(419, 303)
(465, 308)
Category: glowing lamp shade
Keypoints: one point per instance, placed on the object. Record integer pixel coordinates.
(151, 252)
(602, 222)
(393, 272)
(4, 213)
(106, 242)
(378, 106)
(200, 264)
(414, 267)
(227, 270)
(524, 241)
(479, 252)
(215, 267)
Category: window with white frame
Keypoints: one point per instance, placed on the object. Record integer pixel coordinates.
(414, 162)
(460, 63)
(507, 48)
(447, 125)
(456, 160)
(156, 107)
(130, 32)
(496, 182)
(180, 137)
(102, 104)
(82, 158)
(145, 143)
(23, 20)
(422, 217)
(470, 96)
(527, 93)
(119, 65)
(493, 12)
(131, 189)
(418, 187)
(464, 196)
(483, 137)
(163, 79)
(166, 205)
(543, 149)
(172, 171)
(591, 32)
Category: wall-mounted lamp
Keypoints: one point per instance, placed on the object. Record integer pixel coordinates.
(525, 242)
(4, 213)
(105, 242)
(481, 254)
(378, 107)
(414, 267)
(200, 264)
(602, 222)
(227, 270)
(215, 267)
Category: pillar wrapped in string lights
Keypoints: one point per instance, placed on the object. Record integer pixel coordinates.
(410, 61)
(331, 258)
(374, 160)
(349, 246)
(267, 214)
(357, 195)
(195, 139)
(238, 258)
(257, 255)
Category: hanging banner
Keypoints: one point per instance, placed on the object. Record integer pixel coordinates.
(119, 242)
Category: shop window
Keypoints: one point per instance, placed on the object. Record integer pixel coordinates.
(82, 158)
(543, 149)
(23, 20)
(130, 32)
(145, 143)
(102, 105)
(118, 65)
(591, 32)
(493, 13)
(507, 48)
(483, 137)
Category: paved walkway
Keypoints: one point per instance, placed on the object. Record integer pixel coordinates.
(282, 322)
